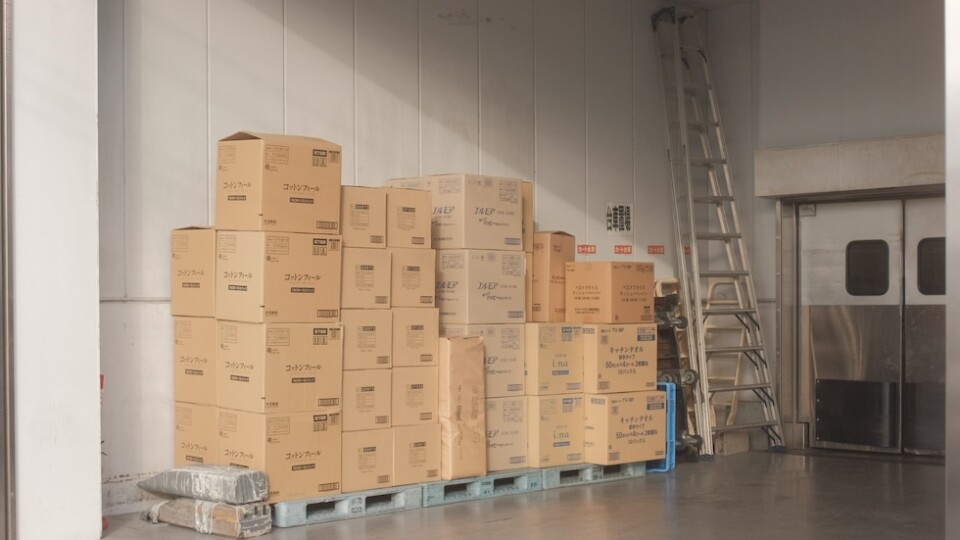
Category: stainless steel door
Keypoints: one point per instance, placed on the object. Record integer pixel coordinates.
(924, 327)
(850, 322)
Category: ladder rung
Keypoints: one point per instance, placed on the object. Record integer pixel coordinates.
(744, 427)
(718, 236)
(721, 329)
(717, 199)
(727, 311)
(723, 273)
(707, 162)
(699, 125)
(736, 349)
(740, 387)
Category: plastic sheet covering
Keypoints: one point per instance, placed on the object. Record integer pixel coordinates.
(206, 517)
(213, 483)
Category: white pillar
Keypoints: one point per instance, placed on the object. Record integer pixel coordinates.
(952, 81)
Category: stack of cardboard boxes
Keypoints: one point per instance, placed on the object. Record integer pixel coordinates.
(481, 291)
(258, 344)
(391, 433)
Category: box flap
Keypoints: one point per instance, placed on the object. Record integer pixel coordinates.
(564, 233)
(253, 135)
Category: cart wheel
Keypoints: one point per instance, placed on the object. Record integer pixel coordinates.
(680, 322)
(689, 378)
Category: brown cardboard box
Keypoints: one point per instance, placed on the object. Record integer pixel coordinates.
(278, 183)
(367, 338)
(475, 286)
(619, 358)
(528, 283)
(551, 252)
(554, 358)
(414, 277)
(367, 459)
(503, 349)
(415, 395)
(556, 430)
(300, 452)
(472, 212)
(366, 399)
(278, 277)
(195, 435)
(415, 335)
(526, 191)
(463, 444)
(366, 279)
(278, 367)
(416, 451)
(195, 360)
(363, 213)
(193, 267)
(506, 433)
(625, 428)
(610, 292)
(408, 218)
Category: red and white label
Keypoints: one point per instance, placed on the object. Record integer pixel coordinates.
(623, 249)
(686, 250)
(656, 249)
(586, 249)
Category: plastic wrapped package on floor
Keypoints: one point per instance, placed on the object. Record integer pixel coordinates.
(215, 483)
(206, 517)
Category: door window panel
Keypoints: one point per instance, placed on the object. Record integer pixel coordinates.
(868, 268)
(931, 266)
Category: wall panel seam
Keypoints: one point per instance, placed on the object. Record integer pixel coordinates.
(123, 132)
(211, 180)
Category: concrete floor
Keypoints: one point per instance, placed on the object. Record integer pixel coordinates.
(782, 496)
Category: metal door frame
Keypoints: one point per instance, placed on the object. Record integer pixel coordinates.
(794, 380)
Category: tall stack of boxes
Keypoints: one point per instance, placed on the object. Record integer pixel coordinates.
(481, 291)
(258, 343)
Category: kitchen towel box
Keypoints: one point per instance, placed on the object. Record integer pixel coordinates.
(195, 360)
(278, 277)
(551, 252)
(503, 353)
(477, 286)
(463, 436)
(300, 452)
(367, 338)
(193, 269)
(554, 358)
(415, 336)
(609, 292)
(363, 213)
(471, 211)
(281, 183)
(278, 367)
(625, 428)
(619, 358)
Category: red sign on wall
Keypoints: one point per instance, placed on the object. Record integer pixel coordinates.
(586, 249)
(623, 249)
(656, 249)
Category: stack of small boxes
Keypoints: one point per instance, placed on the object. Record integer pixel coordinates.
(390, 382)
(257, 332)
(481, 291)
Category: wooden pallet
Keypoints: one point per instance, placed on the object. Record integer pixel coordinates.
(485, 487)
(347, 506)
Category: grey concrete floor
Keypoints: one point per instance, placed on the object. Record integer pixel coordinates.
(778, 496)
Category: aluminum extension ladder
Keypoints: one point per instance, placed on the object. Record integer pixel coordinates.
(724, 335)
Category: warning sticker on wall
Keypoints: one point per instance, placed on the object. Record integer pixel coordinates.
(619, 219)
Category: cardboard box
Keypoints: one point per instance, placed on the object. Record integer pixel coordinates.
(414, 277)
(278, 277)
(480, 287)
(415, 395)
(367, 460)
(416, 454)
(193, 268)
(195, 435)
(363, 213)
(366, 399)
(506, 433)
(195, 360)
(300, 452)
(366, 279)
(554, 358)
(472, 212)
(367, 338)
(279, 367)
(503, 349)
(415, 336)
(625, 428)
(555, 425)
(278, 183)
(609, 292)
(619, 358)
(526, 226)
(551, 252)
(408, 218)
(463, 444)
(528, 284)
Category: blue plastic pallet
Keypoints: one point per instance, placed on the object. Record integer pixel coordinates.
(347, 506)
(669, 462)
